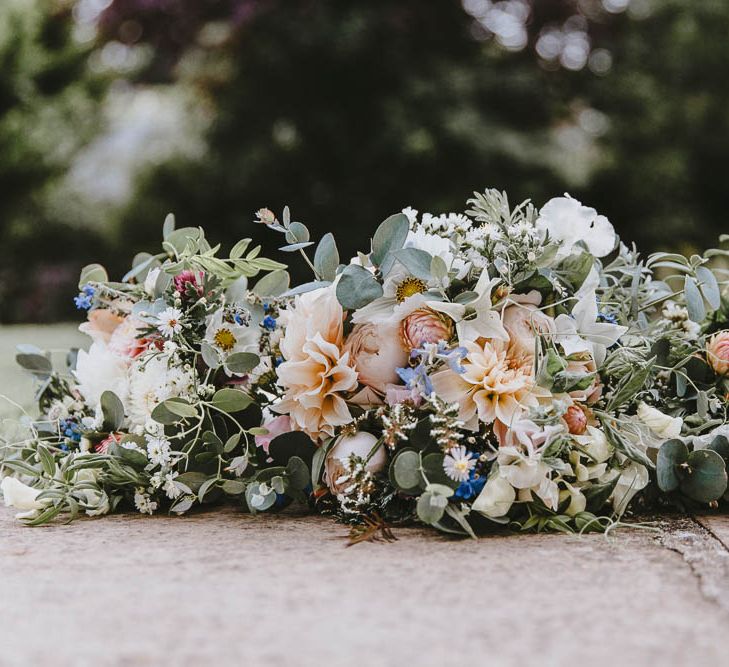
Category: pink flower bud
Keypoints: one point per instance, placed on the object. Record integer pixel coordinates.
(425, 326)
(717, 352)
(576, 420)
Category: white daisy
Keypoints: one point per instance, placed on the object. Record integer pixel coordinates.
(170, 322)
(458, 463)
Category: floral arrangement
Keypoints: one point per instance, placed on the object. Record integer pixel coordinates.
(503, 366)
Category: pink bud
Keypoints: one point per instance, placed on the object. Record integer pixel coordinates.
(425, 326)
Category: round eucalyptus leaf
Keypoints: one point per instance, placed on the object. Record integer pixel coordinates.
(406, 470)
(707, 478)
(671, 454)
(431, 507)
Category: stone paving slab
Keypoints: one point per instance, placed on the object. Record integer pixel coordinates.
(226, 588)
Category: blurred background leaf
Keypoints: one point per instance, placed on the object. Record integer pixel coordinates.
(115, 112)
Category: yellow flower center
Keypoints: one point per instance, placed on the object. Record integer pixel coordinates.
(410, 287)
(225, 339)
(461, 465)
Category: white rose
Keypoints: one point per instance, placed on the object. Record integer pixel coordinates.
(22, 497)
(661, 424)
(496, 498)
(360, 445)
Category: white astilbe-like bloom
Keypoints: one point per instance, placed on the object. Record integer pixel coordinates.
(159, 451)
(152, 381)
(316, 371)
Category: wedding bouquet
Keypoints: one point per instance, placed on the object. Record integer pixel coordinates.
(501, 366)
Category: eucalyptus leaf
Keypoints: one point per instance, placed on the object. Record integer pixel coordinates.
(93, 273)
(431, 507)
(709, 286)
(293, 247)
(707, 479)
(416, 261)
(671, 454)
(357, 287)
(326, 258)
(35, 363)
(389, 238)
(406, 470)
(231, 400)
(297, 473)
(242, 362)
(694, 300)
(112, 410)
(272, 284)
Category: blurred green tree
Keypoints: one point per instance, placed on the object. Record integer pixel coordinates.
(349, 110)
(48, 109)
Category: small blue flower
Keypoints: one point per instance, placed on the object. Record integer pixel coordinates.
(278, 361)
(269, 323)
(471, 487)
(607, 317)
(85, 299)
(239, 320)
(416, 378)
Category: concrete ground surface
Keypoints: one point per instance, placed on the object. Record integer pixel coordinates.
(224, 588)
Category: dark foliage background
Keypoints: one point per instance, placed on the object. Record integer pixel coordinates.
(349, 110)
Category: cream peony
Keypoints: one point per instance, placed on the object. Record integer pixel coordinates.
(100, 370)
(360, 445)
(316, 371)
(376, 350)
(524, 323)
(496, 384)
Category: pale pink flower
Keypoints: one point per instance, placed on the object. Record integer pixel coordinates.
(101, 325)
(717, 352)
(316, 373)
(275, 427)
(397, 393)
(125, 340)
(376, 352)
(425, 325)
